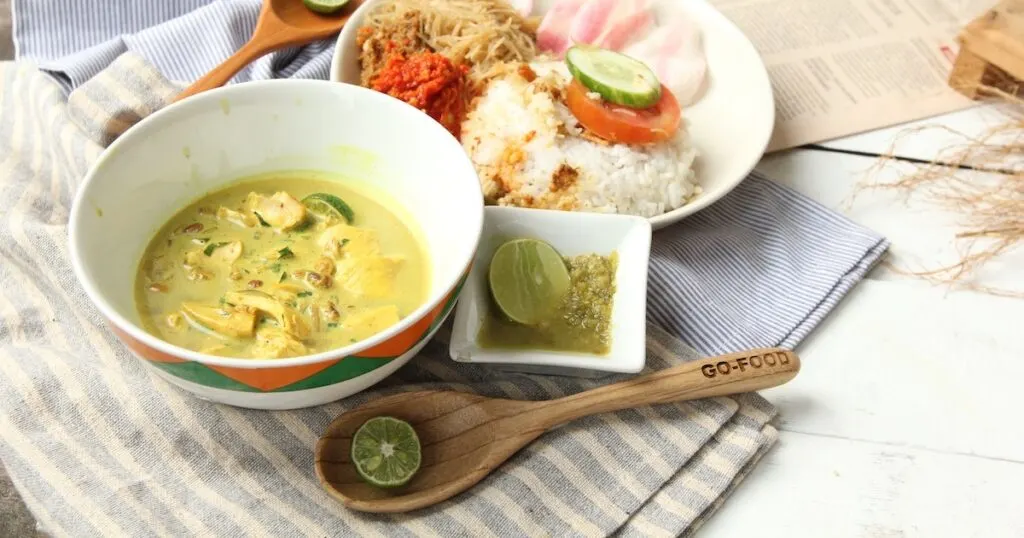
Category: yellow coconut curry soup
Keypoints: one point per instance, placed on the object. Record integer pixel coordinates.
(281, 266)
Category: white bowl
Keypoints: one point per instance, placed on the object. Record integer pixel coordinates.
(730, 126)
(207, 141)
(571, 234)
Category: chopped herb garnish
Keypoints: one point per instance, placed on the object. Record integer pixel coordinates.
(344, 242)
(332, 325)
(275, 267)
(283, 276)
(286, 253)
(212, 247)
(305, 293)
(353, 340)
(260, 218)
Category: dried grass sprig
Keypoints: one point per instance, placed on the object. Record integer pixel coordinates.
(990, 204)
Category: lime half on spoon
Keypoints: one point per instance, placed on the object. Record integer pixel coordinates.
(386, 452)
(326, 7)
(528, 277)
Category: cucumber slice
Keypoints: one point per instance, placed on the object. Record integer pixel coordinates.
(615, 77)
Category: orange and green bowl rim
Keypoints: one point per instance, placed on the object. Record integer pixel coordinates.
(301, 377)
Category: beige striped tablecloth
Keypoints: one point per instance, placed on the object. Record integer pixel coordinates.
(98, 446)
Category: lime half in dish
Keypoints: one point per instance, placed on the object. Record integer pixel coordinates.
(528, 277)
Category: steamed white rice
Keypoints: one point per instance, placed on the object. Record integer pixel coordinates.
(530, 151)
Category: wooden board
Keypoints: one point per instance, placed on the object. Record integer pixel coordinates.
(890, 430)
(992, 51)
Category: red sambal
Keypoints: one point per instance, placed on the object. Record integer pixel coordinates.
(429, 82)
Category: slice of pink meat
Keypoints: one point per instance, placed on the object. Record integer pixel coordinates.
(611, 24)
(675, 52)
(553, 32)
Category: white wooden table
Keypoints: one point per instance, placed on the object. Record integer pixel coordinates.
(906, 419)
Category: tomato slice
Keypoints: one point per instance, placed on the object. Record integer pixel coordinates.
(623, 124)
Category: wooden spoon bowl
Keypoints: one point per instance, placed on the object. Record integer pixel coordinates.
(282, 23)
(466, 436)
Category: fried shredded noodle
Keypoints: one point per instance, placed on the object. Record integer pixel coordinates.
(477, 33)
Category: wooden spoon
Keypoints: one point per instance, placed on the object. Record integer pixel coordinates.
(282, 23)
(466, 436)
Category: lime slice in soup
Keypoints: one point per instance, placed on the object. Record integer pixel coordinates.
(329, 207)
(386, 452)
(325, 6)
(528, 277)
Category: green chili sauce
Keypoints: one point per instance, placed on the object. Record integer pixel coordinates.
(581, 321)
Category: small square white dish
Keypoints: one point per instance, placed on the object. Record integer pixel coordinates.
(572, 234)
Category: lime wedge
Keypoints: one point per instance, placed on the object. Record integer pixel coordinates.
(386, 452)
(528, 277)
(328, 207)
(325, 6)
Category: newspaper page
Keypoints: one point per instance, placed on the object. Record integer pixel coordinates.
(840, 67)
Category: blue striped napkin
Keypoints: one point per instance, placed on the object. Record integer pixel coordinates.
(101, 447)
(76, 39)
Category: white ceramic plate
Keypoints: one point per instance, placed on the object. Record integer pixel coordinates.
(730, 125)
(629, 236)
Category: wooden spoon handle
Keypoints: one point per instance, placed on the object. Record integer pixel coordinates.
(221, 74)
(717, 376)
